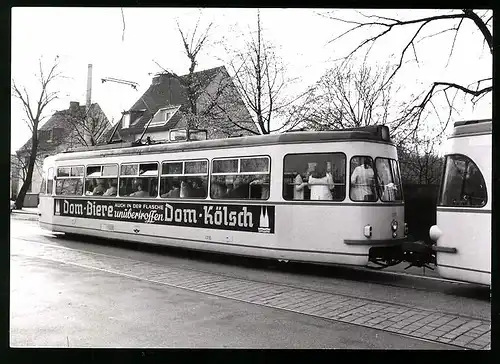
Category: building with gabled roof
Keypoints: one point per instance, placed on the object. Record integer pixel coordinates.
(63, 130)
(165, 105)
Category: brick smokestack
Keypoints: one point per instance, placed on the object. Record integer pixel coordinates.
(87, 130)
(89, 86)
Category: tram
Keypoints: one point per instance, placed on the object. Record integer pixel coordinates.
(331, 197)
(462, 233)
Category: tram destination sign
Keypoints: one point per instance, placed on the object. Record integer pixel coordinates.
(251, 218)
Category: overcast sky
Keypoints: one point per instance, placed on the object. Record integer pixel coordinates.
(82, 36)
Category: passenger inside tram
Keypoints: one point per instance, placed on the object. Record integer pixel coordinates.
(387, 188)
(300, 185)
(321, 183)
(140, 192)
(239, 187)
(363, 181)
(174, 192)
(100, 188)
(111, 191)
(196, 188)
(263, 184)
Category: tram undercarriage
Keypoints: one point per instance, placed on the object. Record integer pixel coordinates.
(416, 253)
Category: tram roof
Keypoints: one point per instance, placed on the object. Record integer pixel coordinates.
(472, 127)
(369, 133)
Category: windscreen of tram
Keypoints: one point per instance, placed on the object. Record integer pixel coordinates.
(463, 183)
(371, 180)
(388, 180)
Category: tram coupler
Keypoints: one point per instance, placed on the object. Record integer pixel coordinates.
(386, 256)
(418, 254)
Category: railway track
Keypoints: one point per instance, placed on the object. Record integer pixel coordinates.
(462, 331)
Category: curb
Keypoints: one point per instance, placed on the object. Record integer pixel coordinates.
(23, 212)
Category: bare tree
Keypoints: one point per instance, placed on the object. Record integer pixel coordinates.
(34, 110)
(259, 75)
(192, 48)
(349, 97)
(420, 162)
(451, 22)
(88, 126)
(220, 109)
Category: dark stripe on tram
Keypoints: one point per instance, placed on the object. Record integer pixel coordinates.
(474, 210)
(461, 268)
(218, 243)
(470, 134)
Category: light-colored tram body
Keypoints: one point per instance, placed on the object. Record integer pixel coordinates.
(463, 219)
(338, 232)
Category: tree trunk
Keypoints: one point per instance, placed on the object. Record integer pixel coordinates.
(29, 174)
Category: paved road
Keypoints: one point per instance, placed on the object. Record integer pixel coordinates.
(58, 304)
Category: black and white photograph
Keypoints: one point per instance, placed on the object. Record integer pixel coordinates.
(250, 178)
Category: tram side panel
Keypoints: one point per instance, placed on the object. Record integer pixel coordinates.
(470, 235)
(463, 231)
(336, 233)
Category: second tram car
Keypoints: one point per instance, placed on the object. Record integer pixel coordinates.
(325, 197)
(463, 229)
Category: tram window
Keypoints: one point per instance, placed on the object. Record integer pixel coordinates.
(240, 178)
(186, 179)
(225, 166)
(314, 176)
(102, 180)
(255, 165)
(129, 170)
(50, 180)
(63, 172)
(363, 179)
(69, 181)
(77, 171)
(388, 180)
(171, 168)
(139, 180)
(463, 183)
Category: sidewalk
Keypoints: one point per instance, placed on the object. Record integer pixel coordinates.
(26, 210)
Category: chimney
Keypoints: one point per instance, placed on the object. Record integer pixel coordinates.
(89, 86)
(73, 107)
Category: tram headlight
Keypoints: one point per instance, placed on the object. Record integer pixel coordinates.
(367, 231)
(394, 234)
(435, 233)
(394, 225)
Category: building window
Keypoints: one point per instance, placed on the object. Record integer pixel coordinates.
(139, 180)
(241, 178)
(314, 176)
(163, 115)
(69, 181)
(102, 180)
(463, 183)
(184, 179)
(126, 121)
